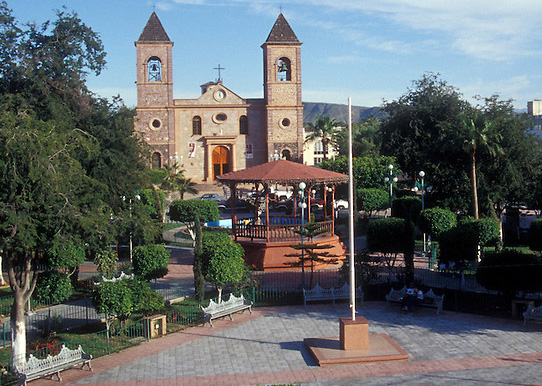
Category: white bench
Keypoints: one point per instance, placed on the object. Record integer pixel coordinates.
(218, 310)
(532, 313)
(429, 298)
(318, 293)
(36, 368)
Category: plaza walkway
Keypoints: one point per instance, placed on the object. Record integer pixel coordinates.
(266, 348)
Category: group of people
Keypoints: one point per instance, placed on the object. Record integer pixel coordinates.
(413, 296)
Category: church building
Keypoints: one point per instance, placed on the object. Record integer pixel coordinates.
(220, 131)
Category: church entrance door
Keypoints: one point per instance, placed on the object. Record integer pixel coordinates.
(221, 158)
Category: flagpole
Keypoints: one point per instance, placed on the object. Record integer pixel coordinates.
(351, 213)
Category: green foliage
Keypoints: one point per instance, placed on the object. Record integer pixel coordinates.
(436, 220)
(153, 202)
(510, 271)
(369, 172)
(156, 176)
(407, 207)
(366, 138)
(535, 235)
(144, 298)
(458, 244)
(52, 287)
(372, 200)
(486, 230)
(199, 278)
(223, 261)
(65, 253)
(150, 261)
(114, 298)
(187, 210)
(106, 262)
(387, 235)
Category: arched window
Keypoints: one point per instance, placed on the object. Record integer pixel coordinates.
(156, 161)
(286, 154)
(154, 69)
(284, 70)
(318, 147)
(196, 125)
(243, 124)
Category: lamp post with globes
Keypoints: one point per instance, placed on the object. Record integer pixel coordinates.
(391, 179)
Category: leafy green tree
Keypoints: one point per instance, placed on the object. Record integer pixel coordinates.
(390, 237)
(106, 262)
(52, 287)
(324, 129)
(150, 261)
(57, 184)
(434, 221)
(188, 210)
(226, 265)
(366, 138)
(415, 130)
(372, 200)
(114, 299)
(197, 268)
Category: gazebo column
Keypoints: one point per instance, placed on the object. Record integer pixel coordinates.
(267, 213)
(333, 209)
(233, 198)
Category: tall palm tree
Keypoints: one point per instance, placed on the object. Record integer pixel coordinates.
(477, 133)
(186, 185)
(323, 129)
(176, 181)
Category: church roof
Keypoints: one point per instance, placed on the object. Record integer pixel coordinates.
(283, 172)
(153, 31)
(282, 32)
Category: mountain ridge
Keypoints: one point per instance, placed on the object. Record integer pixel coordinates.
(339, 112)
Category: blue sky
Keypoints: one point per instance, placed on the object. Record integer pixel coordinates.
(369, 50)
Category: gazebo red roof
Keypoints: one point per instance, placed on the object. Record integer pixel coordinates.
(283, 172)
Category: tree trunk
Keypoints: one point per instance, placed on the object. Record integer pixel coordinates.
(22, 284)
(474, 185)
(18, 330)
(2, 281)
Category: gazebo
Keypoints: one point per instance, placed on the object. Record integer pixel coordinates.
(267, 239)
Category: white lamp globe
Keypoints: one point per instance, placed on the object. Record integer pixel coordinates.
(302, 185)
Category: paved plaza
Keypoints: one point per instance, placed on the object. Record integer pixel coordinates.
(266, 348)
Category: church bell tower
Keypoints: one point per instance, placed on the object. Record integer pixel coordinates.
(282, 92)
(155, 117)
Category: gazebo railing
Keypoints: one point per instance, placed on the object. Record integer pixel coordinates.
(280, 229)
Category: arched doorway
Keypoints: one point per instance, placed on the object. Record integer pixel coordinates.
(156, 161)
(221, 161)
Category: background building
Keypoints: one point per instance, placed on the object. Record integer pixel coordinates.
(220, 131)
(534, 109)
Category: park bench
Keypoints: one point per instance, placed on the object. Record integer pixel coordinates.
(318, 293)
(429, 298)
(36, 368)
(217, 310)
(532, 313)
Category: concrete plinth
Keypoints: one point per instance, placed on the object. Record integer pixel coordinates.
(354, 334)
(354, 345)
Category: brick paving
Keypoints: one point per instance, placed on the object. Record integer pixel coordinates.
(266, 348)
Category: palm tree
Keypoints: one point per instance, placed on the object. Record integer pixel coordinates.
(185, 185)
(477, 133)
(322, 129)
(176, 181)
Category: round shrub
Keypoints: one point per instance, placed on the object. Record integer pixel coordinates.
(387, 235)
(52, 287)
(436, 220)
(407, 207)
(457, 244)
(371, 200)
(150, 261)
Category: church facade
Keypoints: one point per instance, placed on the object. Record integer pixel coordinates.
(220, 131)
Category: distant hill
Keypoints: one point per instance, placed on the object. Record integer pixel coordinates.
(338, 112)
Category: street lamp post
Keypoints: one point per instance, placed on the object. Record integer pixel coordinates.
(391, 179)
(303, 206)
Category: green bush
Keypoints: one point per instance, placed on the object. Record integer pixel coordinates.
(387, 235)
(52, 287)
(510, 271)
(458, 244)
(114, 298)
(150, 261)
(186, 210)
(407, 207)
(144, 298)
(436, 220)
(371, 200)
(535, 235)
